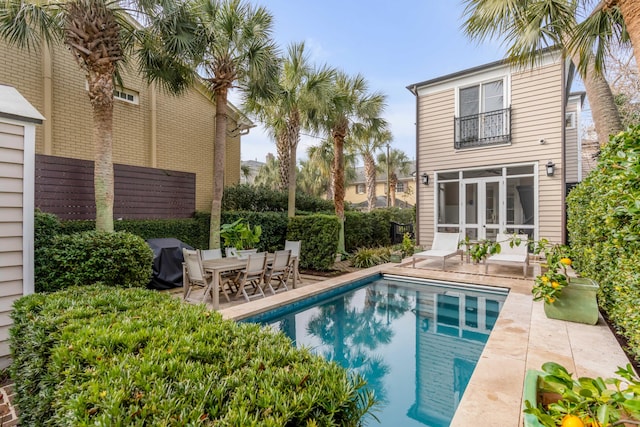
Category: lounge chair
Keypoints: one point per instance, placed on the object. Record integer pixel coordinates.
(278, 272)
(516, 255)
(445, 245)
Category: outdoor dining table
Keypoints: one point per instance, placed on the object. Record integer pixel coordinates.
(225, 265)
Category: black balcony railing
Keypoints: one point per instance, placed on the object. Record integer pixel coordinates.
(483, 129)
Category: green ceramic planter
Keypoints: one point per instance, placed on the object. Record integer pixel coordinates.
(530, 393)
(577, 303)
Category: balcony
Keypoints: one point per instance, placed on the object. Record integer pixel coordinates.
(483, 129)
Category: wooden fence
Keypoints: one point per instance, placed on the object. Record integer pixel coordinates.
(64, 187)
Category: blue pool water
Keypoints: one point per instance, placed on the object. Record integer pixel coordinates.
(415, 342)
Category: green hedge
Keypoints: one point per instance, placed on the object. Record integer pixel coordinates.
(244, 197)
(319, 236)
(133, 357)
(604, 232)
(372, 229)
(113, 259)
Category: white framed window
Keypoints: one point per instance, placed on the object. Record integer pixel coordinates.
(400, 187)
(126, 95)
(482, 113)
(570, 120)
(360, 189)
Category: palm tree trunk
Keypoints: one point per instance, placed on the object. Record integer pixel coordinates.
(393, 180)
(370, 180)
(282, 145)
(291, 205)
(606, 117)
(630, 10)
(101, 97)
(338, 182)
(219, 147)
(293, 137)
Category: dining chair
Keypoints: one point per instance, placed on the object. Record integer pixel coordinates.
(294, 246)
(194, 275)
(208, 254)
(278, 272)
(252, 275)
(231, 252)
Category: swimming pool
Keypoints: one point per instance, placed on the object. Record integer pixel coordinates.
(415, 341)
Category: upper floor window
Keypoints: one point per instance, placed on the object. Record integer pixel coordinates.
(570, 120)
(125, 95)
(360, 188)
(483, 118)
(399, 187)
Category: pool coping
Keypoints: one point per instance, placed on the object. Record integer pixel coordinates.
(522, 338)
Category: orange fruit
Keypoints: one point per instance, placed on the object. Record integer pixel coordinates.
(572, 421)
(555, 284)
(565, 261)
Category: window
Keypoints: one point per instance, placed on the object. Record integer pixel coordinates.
(125, 95)
(400, 187)
(570, 120)
(360, 188)
(483, 117)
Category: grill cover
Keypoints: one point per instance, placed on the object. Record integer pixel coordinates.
(167, 263)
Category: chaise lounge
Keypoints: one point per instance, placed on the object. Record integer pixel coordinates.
(445, 245)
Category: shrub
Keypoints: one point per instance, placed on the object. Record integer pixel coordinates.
(46, 226)
(244, 197)
(108, 356)
(373, 229)
(604, 232)
(114, 259)
(368, 257)
(319, 236)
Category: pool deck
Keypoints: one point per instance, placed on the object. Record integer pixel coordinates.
(523, 337)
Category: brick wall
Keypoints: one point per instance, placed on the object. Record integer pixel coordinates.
(185, 124)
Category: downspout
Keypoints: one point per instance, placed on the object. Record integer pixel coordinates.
(563, 151)
(47, 77)
(153, 100)
(413, 89)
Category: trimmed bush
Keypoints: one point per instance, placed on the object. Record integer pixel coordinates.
(46, 226)
(604, 232)
(373, 229)
(319, 236)
(244, 197)
(114, 259)
(133, 357)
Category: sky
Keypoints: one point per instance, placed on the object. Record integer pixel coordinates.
(391, 43)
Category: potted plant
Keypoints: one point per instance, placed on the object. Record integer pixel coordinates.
(241, 236)
(554, 398)
(565, 297)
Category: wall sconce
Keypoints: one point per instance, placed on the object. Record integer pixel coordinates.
(551, 168)
(425, 178)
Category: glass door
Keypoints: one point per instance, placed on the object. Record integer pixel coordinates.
(482, 217)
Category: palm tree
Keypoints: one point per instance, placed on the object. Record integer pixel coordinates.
(237, 51)
(311, 180)
(398, 162)
(350, 104)
(101, 36)
(366, 141)
(321, 161)
(527, 27)
(302, 92)
(609, 20)
(268, 173)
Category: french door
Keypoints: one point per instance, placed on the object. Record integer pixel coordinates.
(481, 213)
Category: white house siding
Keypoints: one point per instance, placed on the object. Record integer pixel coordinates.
(537, 113)
(11, 227)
